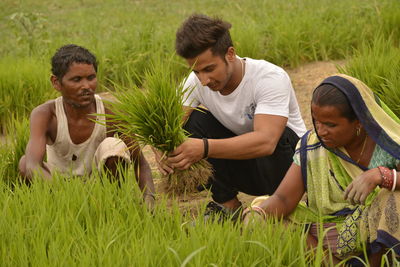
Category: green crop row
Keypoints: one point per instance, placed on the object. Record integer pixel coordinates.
(127, 35)
(71, 222)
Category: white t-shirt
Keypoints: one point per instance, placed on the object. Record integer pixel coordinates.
(264, 89)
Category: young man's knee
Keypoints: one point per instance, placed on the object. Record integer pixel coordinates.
(202, 123)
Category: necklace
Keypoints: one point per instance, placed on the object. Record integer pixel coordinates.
(362, 149)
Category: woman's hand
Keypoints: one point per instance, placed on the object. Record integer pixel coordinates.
(251, 217)
(362, 186)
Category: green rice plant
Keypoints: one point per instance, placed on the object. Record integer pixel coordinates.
(154, 116)
(30, 29)
(90, 221)
(10, 153)
(75, 222)
(377, 65)
(24, 84)
(390, 20)
(285, 32)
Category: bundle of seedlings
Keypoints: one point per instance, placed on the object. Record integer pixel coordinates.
(153, 115)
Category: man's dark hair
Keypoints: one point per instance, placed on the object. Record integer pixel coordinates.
(68, 54)
(199, 33)
(329, 95)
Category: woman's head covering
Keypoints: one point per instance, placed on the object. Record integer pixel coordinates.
(380, 123)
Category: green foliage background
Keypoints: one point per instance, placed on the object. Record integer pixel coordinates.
(80, 223)
(126, 35)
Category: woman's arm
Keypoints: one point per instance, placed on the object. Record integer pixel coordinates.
(288, 194)
(286, 197)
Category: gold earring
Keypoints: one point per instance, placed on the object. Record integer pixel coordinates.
(358, 131)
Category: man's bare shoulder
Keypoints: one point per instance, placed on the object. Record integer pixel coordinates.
(45, 110)
(43, 121)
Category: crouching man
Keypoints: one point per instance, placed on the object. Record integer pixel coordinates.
(65, 129)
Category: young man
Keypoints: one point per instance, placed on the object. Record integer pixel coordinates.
(252, 121)
(65, 130)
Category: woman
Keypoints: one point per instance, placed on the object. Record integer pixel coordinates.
(349, 169)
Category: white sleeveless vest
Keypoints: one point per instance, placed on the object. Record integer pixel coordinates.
(66, 157)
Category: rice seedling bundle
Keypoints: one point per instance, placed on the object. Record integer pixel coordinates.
(154, 115)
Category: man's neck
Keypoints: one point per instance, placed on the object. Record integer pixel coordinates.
(78, 112)
(236, 78)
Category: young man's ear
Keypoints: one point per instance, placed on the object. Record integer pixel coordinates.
(55, 82)
(230, 54)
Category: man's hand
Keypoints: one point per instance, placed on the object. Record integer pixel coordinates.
(149, 200)
(162, 163)
(189, 152)
(362, 186)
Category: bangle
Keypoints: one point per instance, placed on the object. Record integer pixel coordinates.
(255, 209)
(394, 179)
(387, 178)
(205, 154)
(260, 211)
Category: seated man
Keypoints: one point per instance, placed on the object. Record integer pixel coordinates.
(252, 122)
(65, 128)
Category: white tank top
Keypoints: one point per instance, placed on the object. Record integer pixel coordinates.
(67, 157)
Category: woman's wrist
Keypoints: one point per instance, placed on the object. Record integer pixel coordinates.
(254, 210)
(388, 178)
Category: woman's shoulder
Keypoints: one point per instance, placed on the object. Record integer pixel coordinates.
(309, 139)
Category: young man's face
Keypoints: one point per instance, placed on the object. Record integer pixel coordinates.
(78, 85)
(212, 70)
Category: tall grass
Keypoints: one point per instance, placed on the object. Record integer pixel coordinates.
(71, 222)
(85, 222)
(24, 84)
(17, 132)
(126, 35)
(295, 32)
(377, 65)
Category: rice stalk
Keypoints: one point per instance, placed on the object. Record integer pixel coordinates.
(17, 131)
(377, 65)
(153, 115)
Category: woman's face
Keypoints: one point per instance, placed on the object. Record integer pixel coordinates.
(333, 129)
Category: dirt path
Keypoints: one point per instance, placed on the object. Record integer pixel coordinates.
(304, 79)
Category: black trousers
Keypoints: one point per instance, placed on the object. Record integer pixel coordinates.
(259, 176)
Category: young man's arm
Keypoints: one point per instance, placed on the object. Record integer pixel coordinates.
(261, 142)
(36, 147)
(161, 160)
(273, 97)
